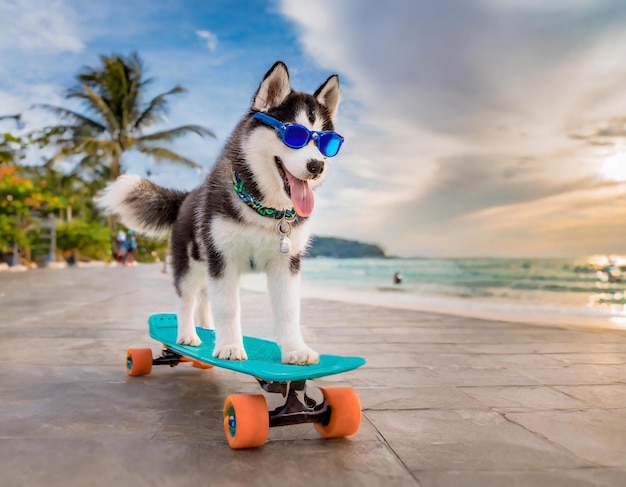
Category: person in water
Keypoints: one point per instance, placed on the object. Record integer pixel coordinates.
(397, 278)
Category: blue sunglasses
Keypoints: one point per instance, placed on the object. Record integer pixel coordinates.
(297, 136)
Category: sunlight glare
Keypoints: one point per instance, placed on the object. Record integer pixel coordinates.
(614, 167)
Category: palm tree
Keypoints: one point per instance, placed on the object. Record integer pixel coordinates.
(115, 119)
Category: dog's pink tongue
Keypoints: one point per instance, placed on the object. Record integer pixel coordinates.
(301, 195)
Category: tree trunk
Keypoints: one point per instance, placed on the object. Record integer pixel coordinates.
(115, 166)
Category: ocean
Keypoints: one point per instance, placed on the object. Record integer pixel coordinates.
(568, 291)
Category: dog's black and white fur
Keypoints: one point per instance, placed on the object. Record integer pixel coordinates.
(216, 237)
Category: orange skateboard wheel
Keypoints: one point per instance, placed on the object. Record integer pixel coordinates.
(246, 421)
(345, 413)
(138, 361)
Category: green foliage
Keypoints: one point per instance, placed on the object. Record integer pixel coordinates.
(90, 238)
(148, 249)
(10, 232)
(340, 248)
(12, 148)
(19, 195)
(76, 192)
(20, 198)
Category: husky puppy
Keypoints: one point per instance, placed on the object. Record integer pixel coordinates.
(251, 214)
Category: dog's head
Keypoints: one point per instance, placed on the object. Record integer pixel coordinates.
(286, 176)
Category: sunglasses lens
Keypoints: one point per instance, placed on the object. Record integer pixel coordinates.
(296, 136)
(329, 143)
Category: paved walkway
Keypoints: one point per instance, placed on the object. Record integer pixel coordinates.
(446, 401)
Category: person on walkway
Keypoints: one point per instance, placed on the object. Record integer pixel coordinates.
(131, 245)
(121, 250)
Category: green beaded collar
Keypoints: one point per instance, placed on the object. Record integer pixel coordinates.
(256, 205)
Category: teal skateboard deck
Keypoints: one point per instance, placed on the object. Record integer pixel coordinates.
(264, 358)
(335, 411)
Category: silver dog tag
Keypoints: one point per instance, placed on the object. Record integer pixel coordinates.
(285, 244)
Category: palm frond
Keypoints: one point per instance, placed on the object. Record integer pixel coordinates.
(93, 172)
(162, 154)
(119, 82)
(99, 147)
(66, 113)
(89, 164)
(101, 106)
(156, 107)
(169, 135)
(6, 156)
(64, 152)
(130, 104)
(84, 96)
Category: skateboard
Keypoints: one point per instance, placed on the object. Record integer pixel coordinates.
(335, 411)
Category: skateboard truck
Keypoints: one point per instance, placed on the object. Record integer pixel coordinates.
(171, 358)
(298, 407)
(168, 357)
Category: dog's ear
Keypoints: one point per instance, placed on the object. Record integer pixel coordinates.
(328, 95)
(273, 89)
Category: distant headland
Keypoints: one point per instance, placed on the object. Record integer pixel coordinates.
(341, 249)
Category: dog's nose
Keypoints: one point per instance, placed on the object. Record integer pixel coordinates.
(315, 166)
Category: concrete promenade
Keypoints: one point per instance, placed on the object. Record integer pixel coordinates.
(447, 401)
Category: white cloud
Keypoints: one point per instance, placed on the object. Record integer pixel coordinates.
(209, 37)
(38, 26)
(480, 89)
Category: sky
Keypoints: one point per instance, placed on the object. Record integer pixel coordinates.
(474, 128)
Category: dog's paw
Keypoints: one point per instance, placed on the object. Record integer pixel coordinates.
(230, 352)
(190, 338)
(300, 356)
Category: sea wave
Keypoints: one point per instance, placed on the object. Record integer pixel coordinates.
(549, 291)
(532, 287)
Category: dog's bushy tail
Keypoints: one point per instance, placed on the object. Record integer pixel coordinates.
(142, 205)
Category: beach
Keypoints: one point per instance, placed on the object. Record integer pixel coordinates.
(563, 292)
(447, 400)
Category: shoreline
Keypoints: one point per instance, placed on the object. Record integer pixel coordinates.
(475, 308)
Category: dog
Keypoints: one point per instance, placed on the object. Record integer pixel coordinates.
(251, 214)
